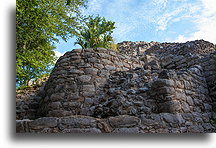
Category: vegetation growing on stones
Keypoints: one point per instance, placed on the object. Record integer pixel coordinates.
(96, 32)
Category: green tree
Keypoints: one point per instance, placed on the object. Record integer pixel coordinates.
(95, 32)
(39, 24)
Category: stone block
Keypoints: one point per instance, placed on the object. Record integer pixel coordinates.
(166, 90)
(76, 61)
(170, 118)
(55, 105)
(208, 127)
(187, 85)
(20, 125)
(187, 116)
(57, 97)
(180, 118)
(98, 66)
(84, 65)
(195, 129)
(151, 120)
(75, 57)
(84, 78)
(104, 126)
(44, 122)
(93, 60)
(178, 84)
(167, 74)
(88, 101)
(78, 122)
(72, 87)
(73, 96)
(106, 62)
(76, 71)
(208, 107)
(124, 121)
(63, 60)
(104, 55)
(103, 73)
(73, 105)
(88, 90)
(169, 106)
(86, 111)
(110, 68)
(163, 83)
(185, 107)
(190, 101)
(91, 71)
(100, 81)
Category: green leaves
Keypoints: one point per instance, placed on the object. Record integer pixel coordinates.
(39, 24)
(95, 32)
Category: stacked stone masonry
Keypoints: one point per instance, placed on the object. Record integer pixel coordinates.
(77, 79)
(155, 88)
(154, 123)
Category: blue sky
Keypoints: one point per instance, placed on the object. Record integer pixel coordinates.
(154, 20)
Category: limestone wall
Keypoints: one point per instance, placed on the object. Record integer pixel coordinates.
(141, 47)
(183, 91)
(207, 62)
(102, 91)
(27, 102)
(78, 77)
(154, 123)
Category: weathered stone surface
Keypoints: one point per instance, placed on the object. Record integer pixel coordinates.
(190, 101)
(55, 105)
(98, 66)
(169, 118)
(73, 96)
(21, 126)
(84, 78)
(57, 96)
(166, 89)
(91, 71)
(123, 121)
(167, 74)
(43, 122)
(167, 82)
(106, 62)
(109, 67)
(78, 122)
(88, 101)
(195, 129)
(185, 107)
(150, 121)
(88, 90)
(76, 71)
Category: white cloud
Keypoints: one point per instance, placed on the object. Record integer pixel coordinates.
(160, 3)
(166, 18)
(205, 24)
(176, 13)
(157, 15)
(122, 31)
